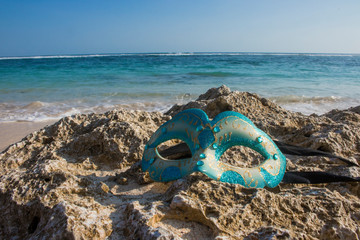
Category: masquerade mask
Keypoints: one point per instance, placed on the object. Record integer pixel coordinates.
(207, 141)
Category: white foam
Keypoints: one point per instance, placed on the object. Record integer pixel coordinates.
(318, 105)
(186, 54)
(56, 56)
(289, 99)
(43, 111)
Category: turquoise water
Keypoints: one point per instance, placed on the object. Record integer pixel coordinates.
(49, 87)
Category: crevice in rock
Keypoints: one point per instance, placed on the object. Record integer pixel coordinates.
(33, 225)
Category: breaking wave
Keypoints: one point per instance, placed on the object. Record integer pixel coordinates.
(317, 105)
(43, 111)
(182, 54)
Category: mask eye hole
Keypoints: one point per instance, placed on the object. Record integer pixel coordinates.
(174, 149)
(240, 156)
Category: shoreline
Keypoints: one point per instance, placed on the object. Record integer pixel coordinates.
(13, 132)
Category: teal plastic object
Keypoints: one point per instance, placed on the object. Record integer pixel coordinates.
(208, 140)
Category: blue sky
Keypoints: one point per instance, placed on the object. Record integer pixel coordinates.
(47, 27)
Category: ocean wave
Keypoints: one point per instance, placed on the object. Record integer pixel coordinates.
(288, 99)
(184, 54)
(251, 54)
(95, 55)
(56, 56)
(43, 111)
(317, 105)
(166, 54)
(135, 95)
(213, 74)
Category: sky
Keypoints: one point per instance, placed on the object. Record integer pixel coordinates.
(52, 27)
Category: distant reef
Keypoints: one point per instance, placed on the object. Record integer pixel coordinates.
(80, 178)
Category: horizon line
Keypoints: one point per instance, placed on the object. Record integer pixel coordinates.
(170, 53)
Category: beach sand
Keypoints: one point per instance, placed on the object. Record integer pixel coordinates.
(12, 132)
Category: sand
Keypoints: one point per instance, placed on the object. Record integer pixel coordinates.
(12, 132)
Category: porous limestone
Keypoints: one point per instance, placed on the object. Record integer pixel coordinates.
(80, 178)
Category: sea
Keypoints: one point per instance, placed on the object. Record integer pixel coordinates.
(38, 88)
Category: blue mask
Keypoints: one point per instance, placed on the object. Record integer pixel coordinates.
(207, 141)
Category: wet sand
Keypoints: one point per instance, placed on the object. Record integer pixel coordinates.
(12, 132)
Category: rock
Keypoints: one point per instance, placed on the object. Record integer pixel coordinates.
(81, 179)
(333, 132)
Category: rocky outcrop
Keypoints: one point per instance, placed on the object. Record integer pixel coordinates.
(80, 179)
(333, 132)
